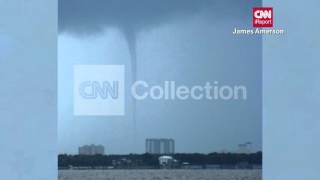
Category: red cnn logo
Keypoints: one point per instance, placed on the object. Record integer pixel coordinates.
(262, 17)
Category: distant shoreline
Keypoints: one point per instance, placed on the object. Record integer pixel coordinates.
(151, 161)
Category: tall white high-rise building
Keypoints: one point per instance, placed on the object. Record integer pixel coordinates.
(160, 146)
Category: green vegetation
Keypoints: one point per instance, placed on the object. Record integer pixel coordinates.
(229, 160)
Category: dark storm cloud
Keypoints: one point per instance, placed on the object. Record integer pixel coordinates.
(91, 16)
(86, 17)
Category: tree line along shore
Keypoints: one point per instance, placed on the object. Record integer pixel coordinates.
(151, 161)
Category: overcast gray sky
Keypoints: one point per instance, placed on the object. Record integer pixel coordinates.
(190, 43)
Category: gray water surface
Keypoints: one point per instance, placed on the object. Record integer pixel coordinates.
(160, 175)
